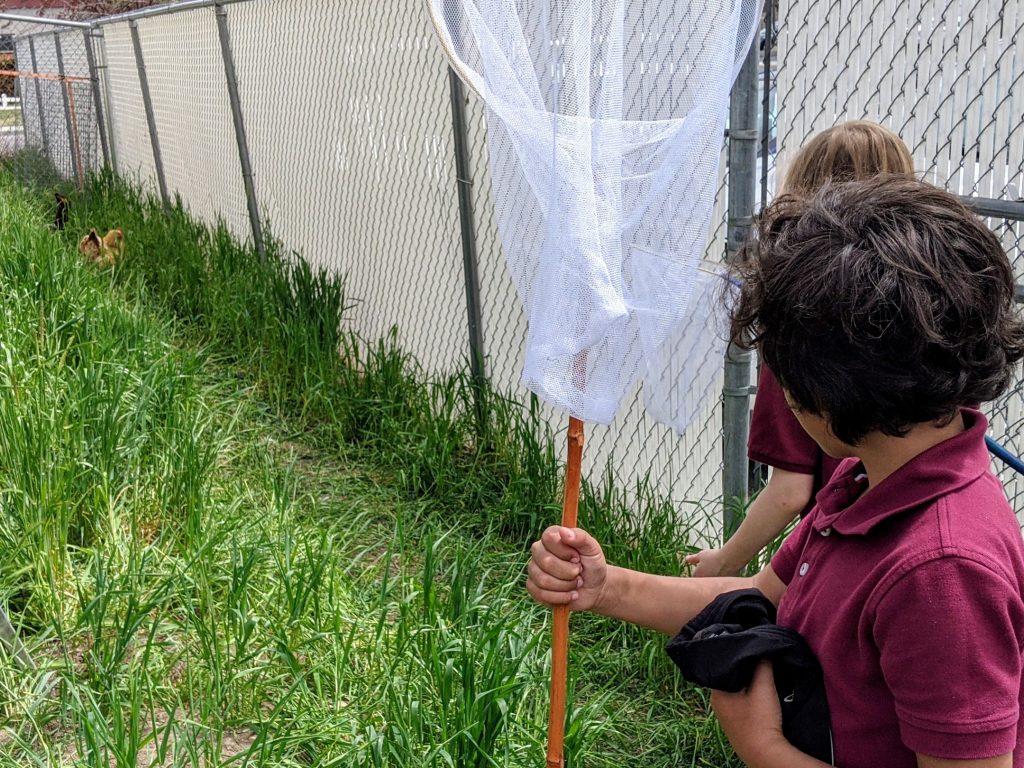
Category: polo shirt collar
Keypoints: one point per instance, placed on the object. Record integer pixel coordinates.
(943, 468)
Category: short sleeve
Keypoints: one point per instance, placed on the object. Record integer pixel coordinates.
(948, 638)
(776, 437)
(785, 559)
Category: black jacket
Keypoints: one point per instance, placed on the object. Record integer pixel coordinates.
(723, 645)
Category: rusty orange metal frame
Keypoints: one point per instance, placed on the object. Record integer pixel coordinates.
(43, 76)
(76, 140)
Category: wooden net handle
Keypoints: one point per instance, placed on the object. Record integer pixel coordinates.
(560, 626)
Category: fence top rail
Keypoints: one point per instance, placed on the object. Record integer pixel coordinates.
(1002, 209)
(45, 20)
(161, 10)
(143, 13)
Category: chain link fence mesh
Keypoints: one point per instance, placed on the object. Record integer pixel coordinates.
(57, 124)
(132, 150)
(349, 122)
(185, 72)
(1007, 413)
(359, 177)
(11, 131)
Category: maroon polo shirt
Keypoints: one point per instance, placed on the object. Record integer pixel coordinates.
(911, 597)
(778, 440)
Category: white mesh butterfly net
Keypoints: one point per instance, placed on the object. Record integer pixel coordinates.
(605, 121)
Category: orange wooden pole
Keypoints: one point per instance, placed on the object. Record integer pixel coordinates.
(560, 627)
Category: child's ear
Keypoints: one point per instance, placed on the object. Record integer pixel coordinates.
(789, 400)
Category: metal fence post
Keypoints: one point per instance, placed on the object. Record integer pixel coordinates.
(743, 136)
(469, 254)
(147, 103)
(97, 101)
(105, 92)
(240, 138)
(39, 99)
(68, 122)
(766, 96)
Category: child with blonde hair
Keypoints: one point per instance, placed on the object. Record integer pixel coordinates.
(848, 152)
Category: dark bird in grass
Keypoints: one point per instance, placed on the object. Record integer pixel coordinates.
(60, 216)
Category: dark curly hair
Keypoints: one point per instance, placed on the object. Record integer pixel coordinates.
(879, 304)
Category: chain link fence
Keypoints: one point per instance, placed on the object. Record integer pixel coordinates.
(348, 125)
(10, 98)
(1007, 413)
(948, 77)
(56, 117)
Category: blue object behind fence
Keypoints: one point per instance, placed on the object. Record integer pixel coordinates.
(998, 450)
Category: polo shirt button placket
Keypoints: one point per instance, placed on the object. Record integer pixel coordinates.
(826, 531)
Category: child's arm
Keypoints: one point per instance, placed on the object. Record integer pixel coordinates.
(1003, 761)
(783, 498)
(568, 568)
(763, 745)
(752, 721)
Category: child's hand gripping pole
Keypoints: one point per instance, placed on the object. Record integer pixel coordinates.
(560, 628)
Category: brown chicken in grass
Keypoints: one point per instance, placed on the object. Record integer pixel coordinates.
(113, 245)
(103, 252)
(90, 246)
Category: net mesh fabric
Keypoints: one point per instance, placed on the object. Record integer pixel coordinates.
(604, 142)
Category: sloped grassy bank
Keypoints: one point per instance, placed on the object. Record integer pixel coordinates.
(235, 535)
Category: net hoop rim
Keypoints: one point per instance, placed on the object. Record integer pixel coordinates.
(454, 61)
(462, 70)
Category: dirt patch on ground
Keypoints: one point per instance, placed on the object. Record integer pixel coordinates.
(164, 738)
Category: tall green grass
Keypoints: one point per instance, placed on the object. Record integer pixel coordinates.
(282, 326)
(235, 534)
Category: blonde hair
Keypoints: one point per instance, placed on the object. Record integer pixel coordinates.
(849, 151)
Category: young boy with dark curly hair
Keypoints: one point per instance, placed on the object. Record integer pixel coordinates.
(884, 307)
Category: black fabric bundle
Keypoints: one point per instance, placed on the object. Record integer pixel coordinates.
(723, 645)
